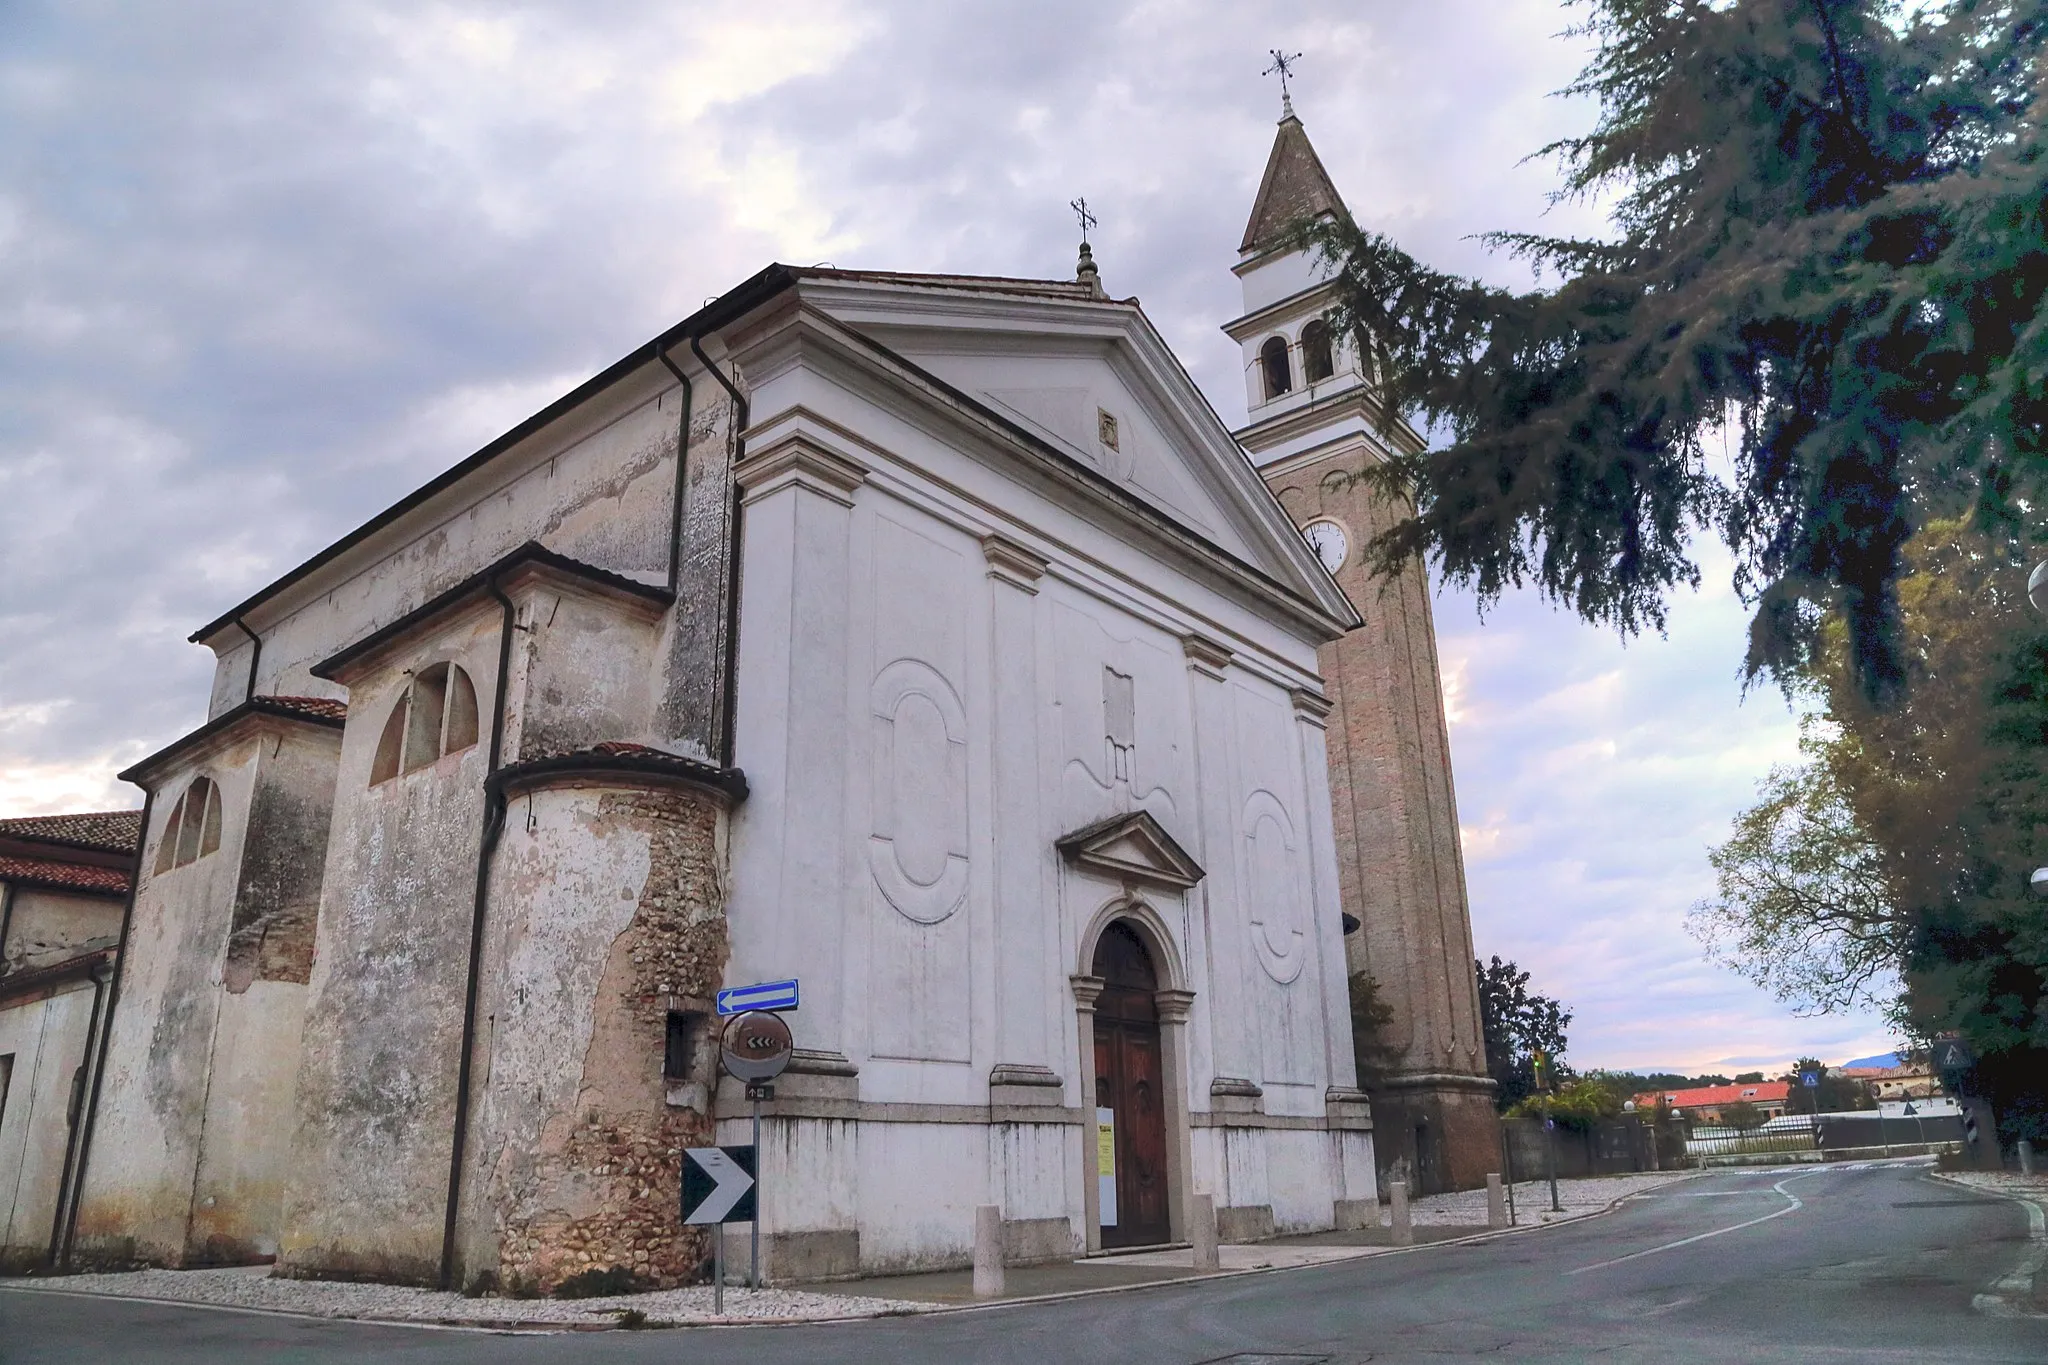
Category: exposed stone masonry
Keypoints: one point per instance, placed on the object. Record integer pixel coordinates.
(620, 1154)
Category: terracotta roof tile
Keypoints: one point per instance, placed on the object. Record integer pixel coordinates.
(320, 708)
(1756, 1092)
(116, 831)
(64, 876)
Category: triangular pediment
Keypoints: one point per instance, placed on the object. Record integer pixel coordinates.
(1132, 847)
(1092, 382)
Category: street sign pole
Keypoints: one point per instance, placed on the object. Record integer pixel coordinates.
(718, 1269)
(755, 1048)
(1550, 1155)
(754, 1259)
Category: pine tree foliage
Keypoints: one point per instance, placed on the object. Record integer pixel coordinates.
(1829, 227)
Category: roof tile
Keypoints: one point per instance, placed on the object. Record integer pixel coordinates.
(116, 831)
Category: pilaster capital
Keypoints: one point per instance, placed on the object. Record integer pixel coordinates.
(1174, 1005)
(1087, 990)
(1312, 708)
(1011, 563)
(794, 462)
(1205, 656)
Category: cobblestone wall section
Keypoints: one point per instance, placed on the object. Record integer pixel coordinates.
(620, 1155)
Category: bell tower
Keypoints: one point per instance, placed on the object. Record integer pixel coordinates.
(1313, 414)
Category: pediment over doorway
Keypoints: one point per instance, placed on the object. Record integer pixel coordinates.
(1132, 847)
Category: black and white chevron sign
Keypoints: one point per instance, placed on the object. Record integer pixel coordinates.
(718, 1184)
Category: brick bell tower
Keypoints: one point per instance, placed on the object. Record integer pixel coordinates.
(1400, 869)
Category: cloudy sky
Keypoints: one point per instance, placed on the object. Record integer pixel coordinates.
(264, 268)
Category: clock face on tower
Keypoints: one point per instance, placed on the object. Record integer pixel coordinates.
(1329, 542)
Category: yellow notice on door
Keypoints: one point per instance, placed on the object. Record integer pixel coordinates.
(1105, 1166)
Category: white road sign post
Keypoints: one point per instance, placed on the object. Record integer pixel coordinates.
(718, 1188)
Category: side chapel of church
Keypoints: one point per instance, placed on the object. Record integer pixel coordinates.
(926, 638)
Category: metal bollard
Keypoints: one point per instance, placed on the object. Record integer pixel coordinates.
(1496, 1201)
(1207, 1257)
(2026, 1157)
(988, 1252)
(1404, 1230)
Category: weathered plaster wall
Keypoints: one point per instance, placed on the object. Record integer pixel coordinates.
(48, 926)
(44, 1042)
(137, 1200)
(597, 486)
(607, 911)
(693, 697)
(588, 670)
(368, 1176)
(191, 1171)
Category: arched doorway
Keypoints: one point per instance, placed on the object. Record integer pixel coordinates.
(1130, 1088)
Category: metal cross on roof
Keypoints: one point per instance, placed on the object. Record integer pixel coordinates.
(1283, 65)
(1081, 213)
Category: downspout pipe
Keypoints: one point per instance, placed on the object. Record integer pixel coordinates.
(101, 973)
(741, 421)
(68, 1202)
(675, 524)
(493, 827)
(6, 921)
(255, 658)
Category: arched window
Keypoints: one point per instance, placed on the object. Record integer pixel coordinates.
(193, 831)
(435, 717)
(1273, 362)
(1317, 362)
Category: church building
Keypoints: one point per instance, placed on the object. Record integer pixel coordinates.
(925, 638)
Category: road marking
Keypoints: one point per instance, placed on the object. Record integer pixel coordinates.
(1702, 1194)
(1779, 1188)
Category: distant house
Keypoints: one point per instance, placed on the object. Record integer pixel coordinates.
(1913, 1079)
(1706, 1102)
(63, 882)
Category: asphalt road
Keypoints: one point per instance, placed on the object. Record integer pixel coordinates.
(1830, 1264)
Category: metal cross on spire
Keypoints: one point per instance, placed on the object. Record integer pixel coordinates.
(1081, 213)
(1283, 65)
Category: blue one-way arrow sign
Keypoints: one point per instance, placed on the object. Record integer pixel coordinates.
(768, 995)
(718, 1184)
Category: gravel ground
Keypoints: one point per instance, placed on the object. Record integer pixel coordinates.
(254, 1288)
(2005, 1182)
(1467, 1208)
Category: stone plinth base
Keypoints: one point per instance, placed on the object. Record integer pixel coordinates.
(1438, 1133)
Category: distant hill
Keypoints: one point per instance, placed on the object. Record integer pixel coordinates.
(1885, 1059)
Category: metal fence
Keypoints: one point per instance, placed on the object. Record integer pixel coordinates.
(1787, 1133)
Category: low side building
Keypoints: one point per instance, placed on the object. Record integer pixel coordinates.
(63, 882)
(1707, 1103)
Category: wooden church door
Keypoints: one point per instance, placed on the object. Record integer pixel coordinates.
(1127, 1083)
